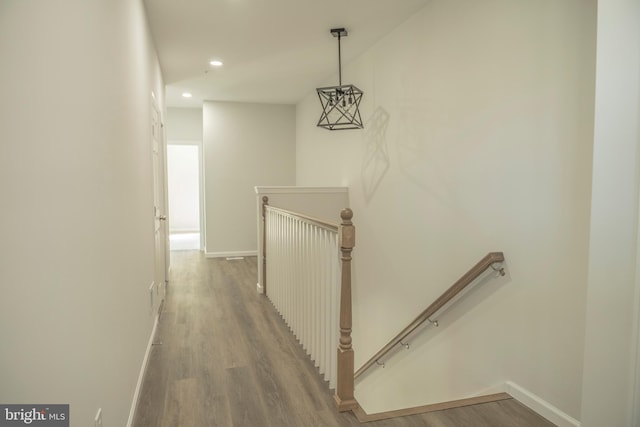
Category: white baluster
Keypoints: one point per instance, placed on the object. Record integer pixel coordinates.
(303, 279)
(328, 310)
(313, 275)
(335, 308)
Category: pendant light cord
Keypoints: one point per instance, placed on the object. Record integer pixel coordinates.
(339, 61)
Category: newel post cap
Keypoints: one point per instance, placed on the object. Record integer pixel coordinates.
(347, 235)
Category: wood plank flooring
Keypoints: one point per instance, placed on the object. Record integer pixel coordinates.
(224, 357)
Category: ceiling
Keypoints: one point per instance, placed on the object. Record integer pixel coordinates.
(274, 51)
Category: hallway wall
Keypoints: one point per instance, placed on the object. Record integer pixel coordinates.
(244, 145)
(76, 180)
(478, 137)
(184, 124)
(611, 384)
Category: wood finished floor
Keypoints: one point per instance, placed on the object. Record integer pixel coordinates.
(224, 357)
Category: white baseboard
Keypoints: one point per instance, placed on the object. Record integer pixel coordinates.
(143, 370)
(230, 254)
(540, 406)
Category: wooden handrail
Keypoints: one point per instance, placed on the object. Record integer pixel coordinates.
(486, 262)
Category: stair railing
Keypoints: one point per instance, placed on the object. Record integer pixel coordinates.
(484, 264)
(304, 278)
(311, 291)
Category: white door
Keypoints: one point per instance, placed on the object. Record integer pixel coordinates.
(159, 213)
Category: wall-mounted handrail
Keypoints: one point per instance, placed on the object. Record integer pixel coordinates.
(488, 261)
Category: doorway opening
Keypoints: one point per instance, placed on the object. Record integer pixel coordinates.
(184, 194)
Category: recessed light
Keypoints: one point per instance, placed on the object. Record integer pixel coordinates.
(216, 63)
(186, 95)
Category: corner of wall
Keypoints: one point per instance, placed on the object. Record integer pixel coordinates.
(539, 405)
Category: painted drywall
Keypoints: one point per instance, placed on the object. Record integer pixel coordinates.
(478, 137)
(244, 145)
(184, 124)
(76, 253)
(613, 291)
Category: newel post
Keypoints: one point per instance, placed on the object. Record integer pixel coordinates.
(265, 203)
(344, 389)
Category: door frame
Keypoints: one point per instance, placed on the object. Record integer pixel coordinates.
(159, 168)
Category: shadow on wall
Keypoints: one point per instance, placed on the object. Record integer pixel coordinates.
(376, 153)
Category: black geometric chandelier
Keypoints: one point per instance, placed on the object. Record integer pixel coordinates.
(340, 104)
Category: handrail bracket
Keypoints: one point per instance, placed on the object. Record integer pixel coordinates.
(499, 269)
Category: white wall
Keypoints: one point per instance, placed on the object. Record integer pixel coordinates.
(244, 145)
(77, 203)
(478, 136)
(613, 291)
(184, 124)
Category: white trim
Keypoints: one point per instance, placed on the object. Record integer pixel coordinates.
(230, 254)
(635, 392)
(540, 406)
(143, 370)
(635, 395)
(259, 288)
(300, 190)
(201, 184)
(634, 369)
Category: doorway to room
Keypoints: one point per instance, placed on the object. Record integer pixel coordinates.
(184, 196)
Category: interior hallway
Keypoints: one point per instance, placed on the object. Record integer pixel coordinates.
(224, 357)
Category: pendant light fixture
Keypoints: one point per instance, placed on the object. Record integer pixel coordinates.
(340, 104)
